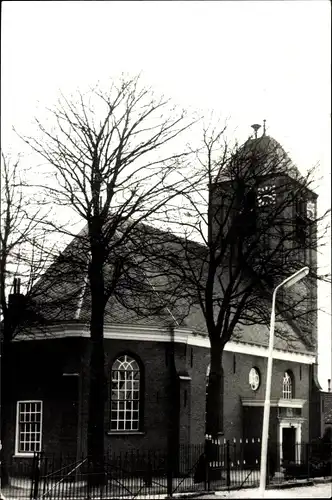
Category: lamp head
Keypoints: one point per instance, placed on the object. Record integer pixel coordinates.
(299, 275)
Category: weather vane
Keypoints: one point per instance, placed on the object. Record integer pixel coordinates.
(256, 127)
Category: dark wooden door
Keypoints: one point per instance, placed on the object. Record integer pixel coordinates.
(288, 444)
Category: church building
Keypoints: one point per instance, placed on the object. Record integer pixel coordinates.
(157, 370)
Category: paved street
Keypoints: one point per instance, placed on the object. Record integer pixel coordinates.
(316, 491)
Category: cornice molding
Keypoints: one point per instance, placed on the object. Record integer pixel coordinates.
(177, 335)
(279, 403)
(291, 403)
(291, 421)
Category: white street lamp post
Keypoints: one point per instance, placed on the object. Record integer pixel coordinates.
(290, 281)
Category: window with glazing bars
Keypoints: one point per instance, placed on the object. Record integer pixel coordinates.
(287, 386)
(125, 395)
(29, 427)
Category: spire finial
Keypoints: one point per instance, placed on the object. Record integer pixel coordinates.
(256, 127)
(264, 127)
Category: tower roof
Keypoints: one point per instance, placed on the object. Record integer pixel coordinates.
(266, 153)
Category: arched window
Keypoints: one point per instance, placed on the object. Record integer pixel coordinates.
(287, 385)
(125, 394)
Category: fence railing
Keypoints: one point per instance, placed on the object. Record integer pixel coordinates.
(231, 464)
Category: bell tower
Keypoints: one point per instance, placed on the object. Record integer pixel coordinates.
(262, 205)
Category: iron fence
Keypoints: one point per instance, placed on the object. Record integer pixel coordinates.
(210, 466)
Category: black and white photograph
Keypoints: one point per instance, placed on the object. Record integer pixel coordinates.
(165, 249)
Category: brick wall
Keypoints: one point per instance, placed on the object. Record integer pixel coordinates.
(198, 361)
(155, 379)
(237, 387)
(38, 375)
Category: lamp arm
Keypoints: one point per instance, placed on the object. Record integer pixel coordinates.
(267, 402)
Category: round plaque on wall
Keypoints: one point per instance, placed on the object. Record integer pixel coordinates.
(254, 379)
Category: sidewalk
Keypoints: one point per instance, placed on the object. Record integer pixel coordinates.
(321, 490)
(313, 488)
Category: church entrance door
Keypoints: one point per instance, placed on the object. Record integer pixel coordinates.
(288, 444)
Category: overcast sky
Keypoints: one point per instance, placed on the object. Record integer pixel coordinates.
(247, 61)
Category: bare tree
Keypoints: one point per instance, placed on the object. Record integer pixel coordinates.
(250, 223)
(25, 250)
(23, 258)
(111, 163)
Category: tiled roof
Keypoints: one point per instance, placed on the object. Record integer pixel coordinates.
(132, 303)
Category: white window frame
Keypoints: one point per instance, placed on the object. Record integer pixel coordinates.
(17, 430)
(127, 404)
(285, 424)
(287, 386)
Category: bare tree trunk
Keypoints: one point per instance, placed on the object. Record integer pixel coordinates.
(96, 410)
(97, 373)
(215, 393)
